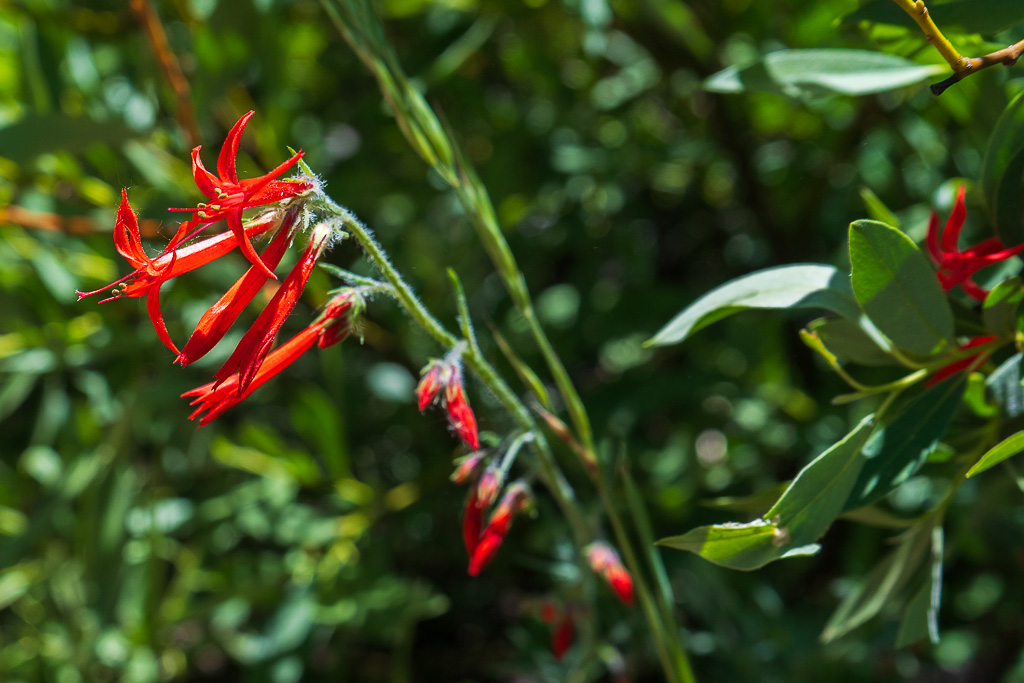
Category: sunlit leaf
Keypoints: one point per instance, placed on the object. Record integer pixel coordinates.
(897, 288)
(816, 72)
(796, 286)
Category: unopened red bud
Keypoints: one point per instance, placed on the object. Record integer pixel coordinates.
(606, 562)
(429, 386)
(548, 612)
(460, 415)
(485, 550)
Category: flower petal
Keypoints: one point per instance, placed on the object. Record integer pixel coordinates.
(216, 397)
(207, 183)
(157, 318)
(226, 159)
(256, 343)
(235, 223)
(218, 318)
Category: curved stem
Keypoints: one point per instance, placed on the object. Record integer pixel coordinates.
(552, 477)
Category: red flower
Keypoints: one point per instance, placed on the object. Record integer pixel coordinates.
(254, 346)
(959, 366)
(221, 316)
(150, 273)
(563, 637)
(958, 267)
(447, 375)
(229, 196)
(216, 397)
(516, 499)
(605, 562)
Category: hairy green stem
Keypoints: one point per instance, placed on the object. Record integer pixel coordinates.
(550, 474)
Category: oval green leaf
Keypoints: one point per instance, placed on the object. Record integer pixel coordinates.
(898, 290)
(801, 515)
(817, 72)
(804, 285)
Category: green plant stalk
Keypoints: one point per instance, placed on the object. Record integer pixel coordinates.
(552, 477)
(663, 593)
(674, 660)
(427, 136)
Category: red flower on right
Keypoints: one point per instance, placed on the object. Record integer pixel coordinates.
(958, 267)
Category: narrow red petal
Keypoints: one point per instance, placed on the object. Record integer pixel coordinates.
(235, 223)
(254, 186)
(176, 262)
(207, 183)
(256, 343)
(226, 159)
(957, 217)
(157, 318)
(221, 316)
(215, 398)
(127, 240)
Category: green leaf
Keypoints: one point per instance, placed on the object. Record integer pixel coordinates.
(1002, 173)
(1005, 385)
(1007, 448)
(801, 515)
(882, 585)
(806, 285)
(921, 617)
(817, 72)
(959, 16)
(897, 288)
(848, 342)
(898, 449)
(1000, 309)
(35, 135)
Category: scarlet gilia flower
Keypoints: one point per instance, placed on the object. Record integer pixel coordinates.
(229, 196)
(443, 378)
(216, 397)
(517, 498)
(956, 367)
(150, 273)
(564, 636)
(606, 562)
(958, 267)
(490, 483)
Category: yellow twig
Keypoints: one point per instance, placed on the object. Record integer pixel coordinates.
(962, 66)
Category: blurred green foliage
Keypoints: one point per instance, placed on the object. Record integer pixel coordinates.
(311, 533)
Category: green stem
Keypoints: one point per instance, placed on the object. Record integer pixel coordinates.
(552, 477)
